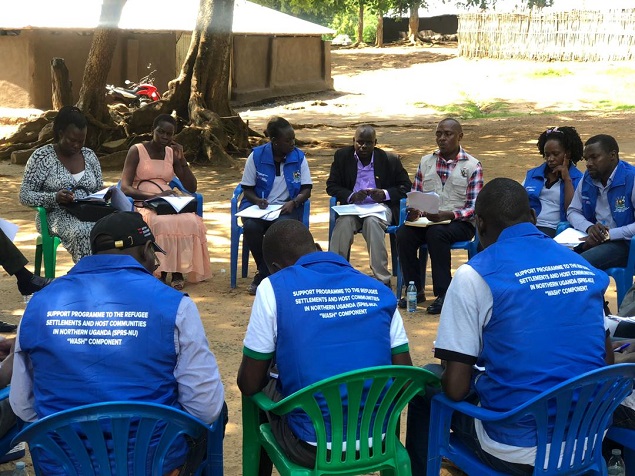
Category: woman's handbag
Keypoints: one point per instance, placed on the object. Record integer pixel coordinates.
(163, 207)
(88, 210)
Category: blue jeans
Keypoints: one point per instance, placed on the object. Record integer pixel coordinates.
(418, 427)
(611, 254)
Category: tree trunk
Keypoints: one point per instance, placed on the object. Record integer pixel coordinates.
(413, 24)
(360, 24)
(379, 36)
(62, 93)
(92, 99)
(201, 92)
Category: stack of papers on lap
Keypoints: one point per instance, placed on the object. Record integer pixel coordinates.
(570, 237)
(118, 199)
(423, 222)
(425, 202)
(362, 211)
(270, 213)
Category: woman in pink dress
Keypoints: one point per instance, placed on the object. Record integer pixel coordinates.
(148, 169)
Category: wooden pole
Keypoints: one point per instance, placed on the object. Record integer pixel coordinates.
(61, 86)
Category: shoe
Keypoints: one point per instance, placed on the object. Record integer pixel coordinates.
(435, 307)
(254, 284)
(404, 304)
(33, 285)
(6, 327)
(178, 283)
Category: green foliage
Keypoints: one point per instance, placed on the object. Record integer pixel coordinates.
(471, 109)
(370, 28)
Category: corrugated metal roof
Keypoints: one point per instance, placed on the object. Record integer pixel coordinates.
(155, 15)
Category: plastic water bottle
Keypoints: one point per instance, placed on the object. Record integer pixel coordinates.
(20, 469)
(411, 297)
(616, 464)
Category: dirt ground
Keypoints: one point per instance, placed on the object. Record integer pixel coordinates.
(404, 92)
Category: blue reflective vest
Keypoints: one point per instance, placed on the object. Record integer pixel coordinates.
(535, 181)
(104, 332)
(331, 319)
(546, 326)
(266, 172)
(619, 195)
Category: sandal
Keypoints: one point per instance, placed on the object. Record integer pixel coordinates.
(178, 282)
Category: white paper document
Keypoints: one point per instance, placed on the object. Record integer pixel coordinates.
(423, 222)
(9, 229)
(570, 237)
(270, 213)
(425, 202)
(118, 199)
(362, 211)
(178, 203)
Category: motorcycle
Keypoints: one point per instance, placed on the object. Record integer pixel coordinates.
(134, 94)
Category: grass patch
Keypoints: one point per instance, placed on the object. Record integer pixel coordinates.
(551, 72)
(473, 110)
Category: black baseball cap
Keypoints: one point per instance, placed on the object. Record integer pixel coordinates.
(126, 230)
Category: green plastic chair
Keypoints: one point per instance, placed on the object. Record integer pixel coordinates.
(387, 391)
(45, 246)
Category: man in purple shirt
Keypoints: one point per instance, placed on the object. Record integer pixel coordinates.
(364, 174)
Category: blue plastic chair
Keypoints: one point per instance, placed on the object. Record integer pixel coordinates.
(391, 231)
(626, 438)
(624, 276)
(176, 183)
(575, 410)
(89, 440)
(237, 231)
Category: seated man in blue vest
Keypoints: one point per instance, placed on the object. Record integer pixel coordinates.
(109, 330)
(496, 316)
(602, 204)
(307, 345)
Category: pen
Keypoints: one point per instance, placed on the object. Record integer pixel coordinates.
(622, 347)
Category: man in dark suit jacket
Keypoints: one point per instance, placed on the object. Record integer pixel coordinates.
(365, 174)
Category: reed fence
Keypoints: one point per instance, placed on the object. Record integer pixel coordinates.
(557, 36)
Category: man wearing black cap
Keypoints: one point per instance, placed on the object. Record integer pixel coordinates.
(109, 330)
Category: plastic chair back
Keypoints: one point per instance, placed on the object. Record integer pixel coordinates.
(95, 439)
(176, 183)
(624, 276)
(390, 230)
(236, 232)
(45, 247)
(363, 413)
(572, 412)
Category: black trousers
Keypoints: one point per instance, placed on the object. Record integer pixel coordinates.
(439, 239)
(254, 230)
(11, 258)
